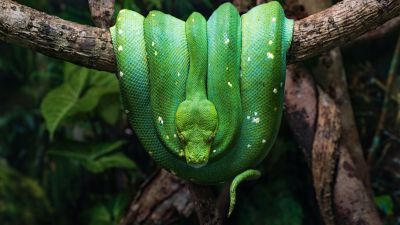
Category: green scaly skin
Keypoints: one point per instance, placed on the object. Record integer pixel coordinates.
(205, 98)
(196, 117)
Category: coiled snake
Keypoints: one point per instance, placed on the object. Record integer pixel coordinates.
(204, 97)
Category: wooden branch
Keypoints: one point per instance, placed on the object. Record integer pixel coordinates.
(162, 199)
(325, 154)
(337, 162)
(338, 25)
(205, 205)
(102, 12)
(301, 107)
(91, 47)
(386, 28)
(80, 44)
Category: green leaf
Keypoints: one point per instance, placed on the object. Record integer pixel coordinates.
(88, 151)
(108, 212)
(109, 108)
(73, 75)
(59, 102)
(81, 91)
(385, 204)
(117, 160)
(99, 85)
(118, 205)
(94, 157)
(100, 215)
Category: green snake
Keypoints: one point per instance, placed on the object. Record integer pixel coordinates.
(205, 97)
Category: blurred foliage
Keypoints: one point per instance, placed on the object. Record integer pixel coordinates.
(109, 212)
(68, 156)
(22, 200)
(81, 92)
(385, 203)
(95, 157)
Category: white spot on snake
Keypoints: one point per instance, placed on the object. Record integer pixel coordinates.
(227, 68)
(273, 19)
(155, 53)
(263, 141)
(248, 145)
(255, 120)
(214, 151)
(227, 41)
(230, 84)
(128, 131)
(179, 74)
(167, 137)
(193, 20)
(121, 74)
(255, 113)
(120, 32)
(160, 120)
(152, 43)
(248, 117)
(126, 111)
(270, 55)
(153, 14)
(175, 136)
(275, 91)
(120, 48)
(270, 42)
(248, 59)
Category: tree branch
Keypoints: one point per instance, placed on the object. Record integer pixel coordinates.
(83, 45)
(91, 47)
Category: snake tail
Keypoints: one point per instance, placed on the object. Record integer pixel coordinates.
(246, 175)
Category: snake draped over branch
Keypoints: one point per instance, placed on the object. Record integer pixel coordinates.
(205, 97)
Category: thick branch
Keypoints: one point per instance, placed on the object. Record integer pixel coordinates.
(84, 45)
(162, 199)
(91, 47)
(102, 12)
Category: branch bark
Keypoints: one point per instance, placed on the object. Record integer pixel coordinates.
(388, 27)
(339, 173)
(102, 12)
(162, 199)
(91, 47)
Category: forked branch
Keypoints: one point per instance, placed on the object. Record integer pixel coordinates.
(91, 47)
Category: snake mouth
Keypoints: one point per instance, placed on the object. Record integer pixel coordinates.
(196, 154)
(197, 166)
(196, 162)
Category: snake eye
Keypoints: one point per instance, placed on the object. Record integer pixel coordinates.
(211, 138)
(181, 137)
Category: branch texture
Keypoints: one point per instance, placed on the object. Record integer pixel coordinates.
(91, 47)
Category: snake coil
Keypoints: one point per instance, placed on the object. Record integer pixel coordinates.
(204, 97)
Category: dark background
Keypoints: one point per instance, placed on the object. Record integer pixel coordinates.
(68, 156)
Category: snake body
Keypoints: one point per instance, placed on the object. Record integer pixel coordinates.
(204, 97)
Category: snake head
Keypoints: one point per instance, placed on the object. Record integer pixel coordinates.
(196, 122)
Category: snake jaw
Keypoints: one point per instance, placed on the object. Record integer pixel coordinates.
(197, 153)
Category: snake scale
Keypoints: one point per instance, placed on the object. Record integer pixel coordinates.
(205, 97)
